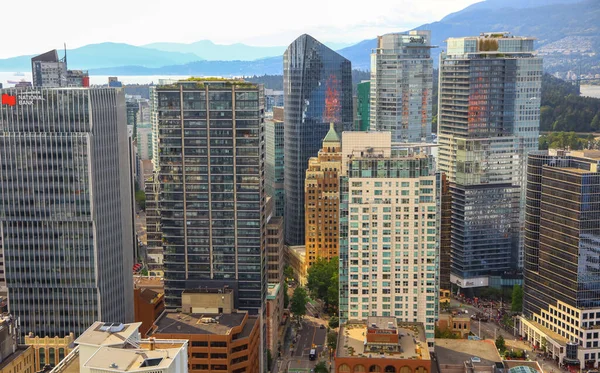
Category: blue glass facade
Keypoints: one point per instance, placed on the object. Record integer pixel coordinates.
(317, 85)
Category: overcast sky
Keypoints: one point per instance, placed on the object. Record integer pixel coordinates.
(35, 26)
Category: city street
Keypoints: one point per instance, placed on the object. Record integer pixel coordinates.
(310, 335)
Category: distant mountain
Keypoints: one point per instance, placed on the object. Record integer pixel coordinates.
(207, 50)
(273, 65)
(547, 20)
(106, 55)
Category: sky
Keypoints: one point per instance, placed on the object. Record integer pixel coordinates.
(46, 24)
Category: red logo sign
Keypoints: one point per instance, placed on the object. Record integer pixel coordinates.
(9, 100)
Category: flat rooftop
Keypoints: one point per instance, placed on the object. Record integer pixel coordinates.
(132, 359)
(108, 334)
(183, 323)
(21, 349)
(149, 282)
(457, 351)
(272, 291)
(411, 340)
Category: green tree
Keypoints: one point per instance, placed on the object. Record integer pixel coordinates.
(269, 360)
(140, 198)
(445, 334)
(322, 281)
(298, 303)
(321, 367)
(288, 272)
(500, 343)
(517, 299)
(286, 295)
(332, 338)
(334, 322)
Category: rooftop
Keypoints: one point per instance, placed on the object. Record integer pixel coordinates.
(520, 366)
(331, 136)
(272, 291)
(182, 323)
(108, 334)
(411, 342)
(457, 351)
(18, 352)
(133, 359)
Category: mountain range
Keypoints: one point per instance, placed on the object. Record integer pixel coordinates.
(567, 32)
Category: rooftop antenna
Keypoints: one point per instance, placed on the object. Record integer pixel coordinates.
(65, 44)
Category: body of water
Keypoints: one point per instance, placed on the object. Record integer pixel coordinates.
(94, 79)
(590, 91)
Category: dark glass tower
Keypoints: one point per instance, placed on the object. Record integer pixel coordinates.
(212, 199)
(317, 85)
(66, 208)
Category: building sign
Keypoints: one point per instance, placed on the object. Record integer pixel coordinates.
(417, 39)
(9, 100)
(470, 282)
(27, 98)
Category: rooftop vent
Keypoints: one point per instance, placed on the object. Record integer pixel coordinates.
(112, 327)
(113, 365)
(152, 362)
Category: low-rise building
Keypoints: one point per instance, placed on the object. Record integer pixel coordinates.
(463, 355)
(14, 358)
(274, 317)
(50, 350)
(459, 325)
(221, 337)
(113, 347)
(148, 306)
(381, 344)
(296, 258)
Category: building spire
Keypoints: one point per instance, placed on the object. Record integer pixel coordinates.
(331, 136)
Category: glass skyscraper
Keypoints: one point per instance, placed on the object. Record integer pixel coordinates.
(212, 199)
(489, 95)
(561, 298)
(66, 208)
(274, 160)
(402, 86)
(317, 84)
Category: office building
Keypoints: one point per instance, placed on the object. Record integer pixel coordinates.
(212, 200)
(388, 232)
(322, 200)
(363, 106)
(489, 97)
(48, 71)
(144, 141)
(382, 344)
(561, 301)
(221, 338)
(49, 350)
(402, 86)
(148, 304)
(14, 357)
(274, 160)
(273, 99)
(275, 319)
(317, 85)
(110, 347)
(66, 223)
(154, 243)
(113, 82)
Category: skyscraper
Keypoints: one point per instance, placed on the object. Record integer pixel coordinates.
(317, 85)
(388, 225)
(274, 160)
(212, 200)
(322, 198)
(49, 71)
(402, 86)
(561, 302)
(66, 206)
(489, 94)
(363, 106)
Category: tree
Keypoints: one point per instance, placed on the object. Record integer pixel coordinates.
(286, 295)
(321, 367)
(322, 281)
(332, 338)
(500, 343)
(299, 300)
(334, 322)
(140, 198)
(288, 272)
(517, 299)
(269, 360)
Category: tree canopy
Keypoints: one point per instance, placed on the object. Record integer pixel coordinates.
(298, 303)
(517, 299)
(323, 281)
